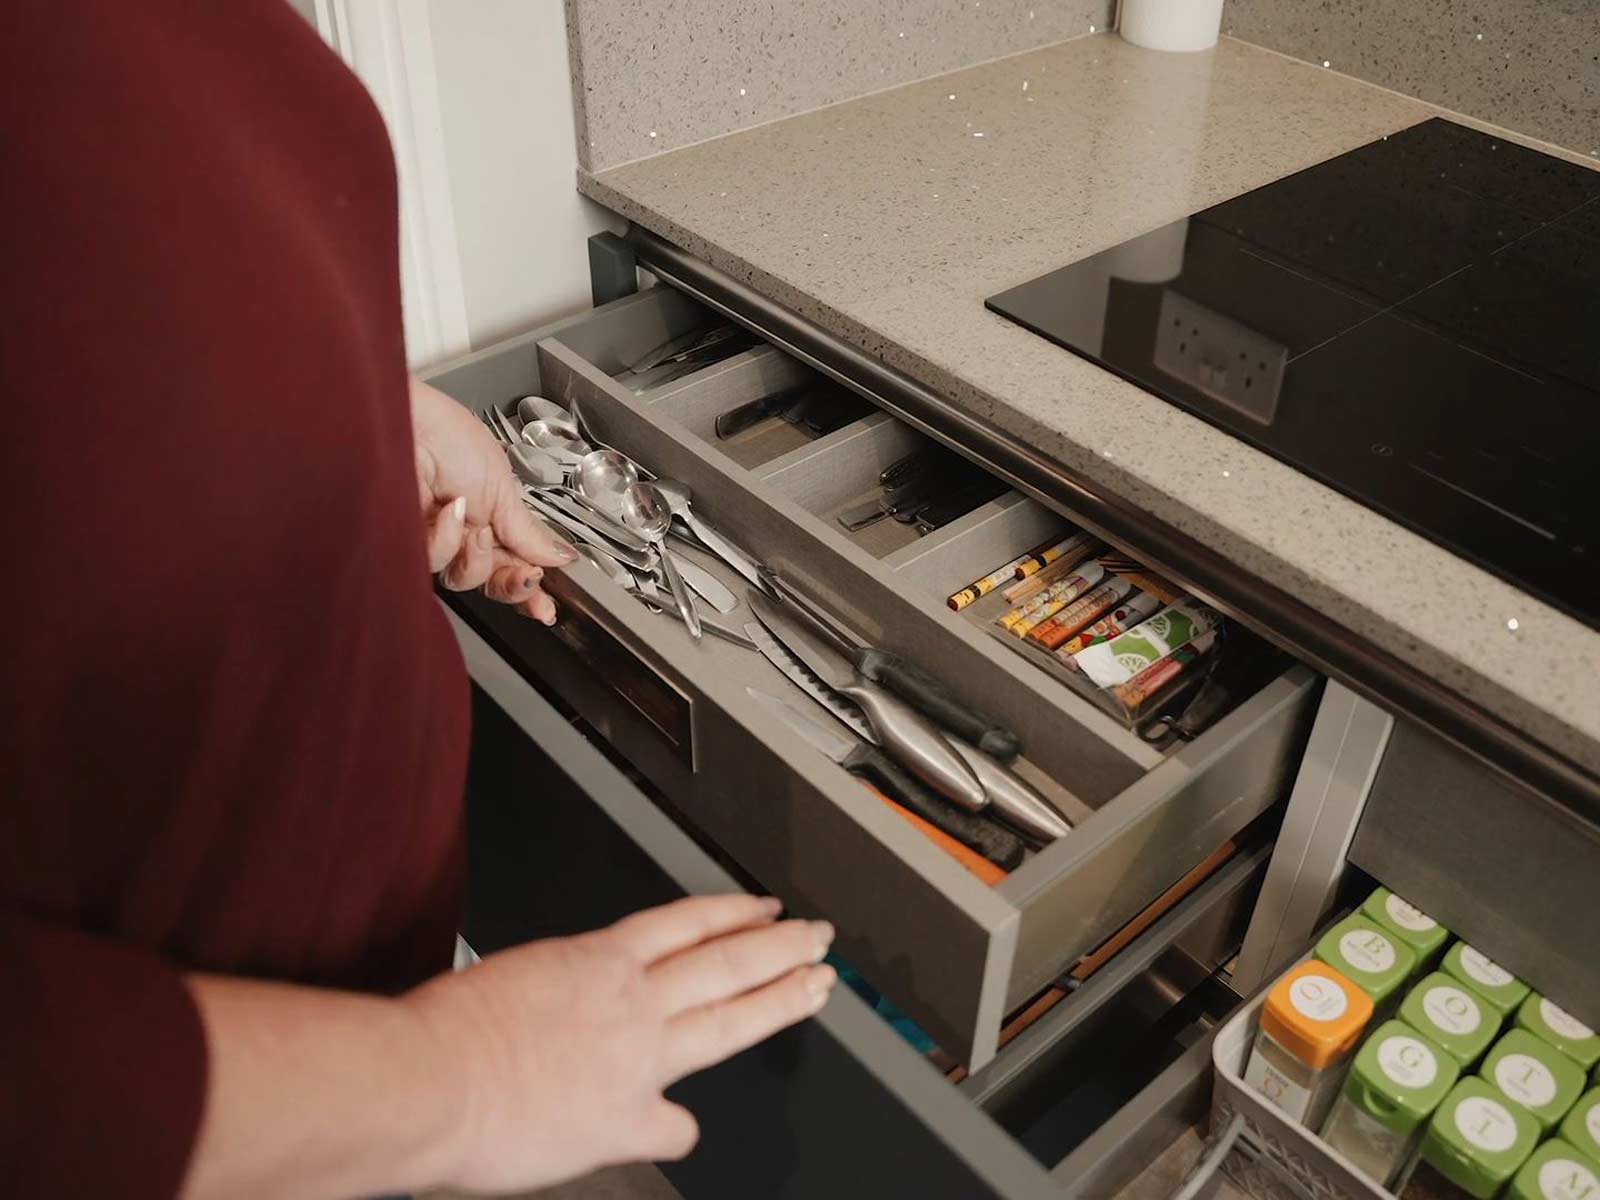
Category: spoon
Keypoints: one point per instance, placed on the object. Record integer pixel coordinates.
(602, 476)
(537, 408)
(533, 466)
(646, 512)
(554, 442)
(677, 494)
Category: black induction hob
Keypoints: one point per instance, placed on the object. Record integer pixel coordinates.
(1415, 323)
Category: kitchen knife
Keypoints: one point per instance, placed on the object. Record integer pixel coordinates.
(746, 416)
(859, 516)
(711, 589)
(908, 681)
(866, 761)
(903, 731)
(1011, 798)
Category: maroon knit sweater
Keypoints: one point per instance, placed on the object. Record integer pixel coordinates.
(233, 723)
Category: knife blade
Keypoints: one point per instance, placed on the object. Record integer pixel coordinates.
(907, 735)
(866, 761)
(711, 589)
(910, 682)
(1011, 798)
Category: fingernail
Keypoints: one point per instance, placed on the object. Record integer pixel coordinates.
(772, 904)
(529, 582)
(486, 538)
(822, 935)
(550, 620)
(566, 551)
(819, 981)
(458, 509)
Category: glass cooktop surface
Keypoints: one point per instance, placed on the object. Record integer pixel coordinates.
(1415, 323)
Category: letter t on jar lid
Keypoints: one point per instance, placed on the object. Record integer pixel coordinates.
(1316, 1014)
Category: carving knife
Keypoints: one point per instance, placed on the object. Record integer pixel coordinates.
(910, 682)
(1011, 798)
(905, 733)
(866, 761)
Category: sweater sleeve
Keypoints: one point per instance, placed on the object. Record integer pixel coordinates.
(102, 1067)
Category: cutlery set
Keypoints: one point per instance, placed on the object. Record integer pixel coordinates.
(897, 727)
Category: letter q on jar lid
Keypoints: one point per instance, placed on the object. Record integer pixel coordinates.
(1316, 1014)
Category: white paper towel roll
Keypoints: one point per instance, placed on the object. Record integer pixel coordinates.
(1171, 24)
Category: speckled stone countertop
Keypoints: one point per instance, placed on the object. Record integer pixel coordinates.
(888, 219)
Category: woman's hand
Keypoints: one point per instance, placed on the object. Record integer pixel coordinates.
(566, 1045)
(479, 532)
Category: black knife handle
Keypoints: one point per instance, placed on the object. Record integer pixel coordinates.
(1000, 846)
(737, 420)
(934, 701)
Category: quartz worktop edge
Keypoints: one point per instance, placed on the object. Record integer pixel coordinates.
(1261, 115)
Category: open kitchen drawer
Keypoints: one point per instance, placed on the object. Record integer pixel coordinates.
(561, 841)
(956, 955)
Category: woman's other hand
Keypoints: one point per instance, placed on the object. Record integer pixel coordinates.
(479, 533)
(567, 1045)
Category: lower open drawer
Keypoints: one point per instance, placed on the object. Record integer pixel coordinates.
(956, 955)
(561, 841)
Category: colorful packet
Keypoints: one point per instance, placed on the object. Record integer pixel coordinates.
(1043, 558)
(1052, 600)
(1125, 617)
(1133, 694)
(978, 589)
(1081, 612)
(1123, 657)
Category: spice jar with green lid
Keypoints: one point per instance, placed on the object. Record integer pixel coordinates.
(1486, 977)
(1582, 1126)
(1453, 1015)
(1556, 1172)
(1425, 936)
(1534, 1074)
(1398, 1079)
(1477, 1138)
(1550, 1023)
(1373, 959)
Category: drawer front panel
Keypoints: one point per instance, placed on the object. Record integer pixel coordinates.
(837, 1105)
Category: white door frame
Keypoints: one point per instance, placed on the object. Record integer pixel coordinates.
(389, 44)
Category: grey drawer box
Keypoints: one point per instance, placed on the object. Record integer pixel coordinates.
(956, 955)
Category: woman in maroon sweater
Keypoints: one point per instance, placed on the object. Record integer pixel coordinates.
(234, 723)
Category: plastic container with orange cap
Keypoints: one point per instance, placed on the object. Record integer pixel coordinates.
(1310, 1025)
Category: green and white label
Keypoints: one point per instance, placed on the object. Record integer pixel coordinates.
(1367, 950)
(1526, 1080)
(1563, 1023)
(1563, 1179)
(1486, 1124)
(1408, 916)
(1484, 969)
(1408, 1062)
(1452, 1010)
(1591, 1121)
(1318, 998)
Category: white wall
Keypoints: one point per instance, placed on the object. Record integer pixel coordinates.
(505, 99)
